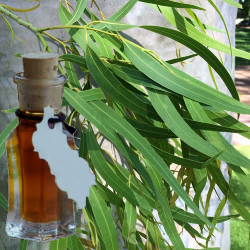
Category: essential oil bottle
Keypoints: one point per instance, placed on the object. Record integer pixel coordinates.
(38, 209)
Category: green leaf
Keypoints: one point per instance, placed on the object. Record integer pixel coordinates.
(103, 45)
(117, 26)
(172, 4)
(181, 59)
(83, 150)
(201, 50)
(128, 227)
(3, 202)
(205, 26)
(5, 134)
(154, 234)
(177, 125)
(88, 95)
(72, 77)
(78, 60)
(225, 25)
(103, 220)
(216, 217)
(245, 178)
(139, 241)
(60, 244)
(176, 81)
(78, 35)
(178, 160)
(80, 7)
(136, 185)
(226, 190)
(109, 196)
(150, 131)
(179, 22)
(225, 119)
(114, 88)
(108, 174)
(136, 77)
(99, 114)
(168, 223)
(23, 244)
(18, 55)
(184, 216)
(206, 163)
(8, 111)
(74, 243)
(11, 30)
(233, 3)
(231, 155)
(190, 229)
(121, 13)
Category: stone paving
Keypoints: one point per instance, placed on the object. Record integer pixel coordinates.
(242, 81)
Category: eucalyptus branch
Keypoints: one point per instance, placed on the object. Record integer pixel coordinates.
(44, 43)
(18, 19)
(60, 42)
(88, 28)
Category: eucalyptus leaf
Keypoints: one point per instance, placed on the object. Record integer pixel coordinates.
(172, 4)
(60, 244)
(104, 112)
(179, 22)
(3, 202)
(5, 135)
(103, 219)
(23, 244)
(80, 6)
(170, 79)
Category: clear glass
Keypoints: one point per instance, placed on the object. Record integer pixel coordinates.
(38, 209)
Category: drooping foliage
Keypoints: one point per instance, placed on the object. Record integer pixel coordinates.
(166, 124)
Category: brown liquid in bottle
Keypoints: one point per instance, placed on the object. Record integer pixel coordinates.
(41, 201)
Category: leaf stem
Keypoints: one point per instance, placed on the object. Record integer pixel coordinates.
(60, 42)
(18, 19)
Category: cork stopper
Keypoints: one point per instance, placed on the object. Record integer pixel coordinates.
(39, 85)
(40, 65)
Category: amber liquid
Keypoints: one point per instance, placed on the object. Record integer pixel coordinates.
(41, 201)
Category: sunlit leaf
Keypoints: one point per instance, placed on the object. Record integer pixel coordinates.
(80, 6)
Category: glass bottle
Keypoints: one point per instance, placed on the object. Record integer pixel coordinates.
(38, 209)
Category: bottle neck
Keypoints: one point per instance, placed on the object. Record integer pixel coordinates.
(25, 116)
(35, 94)
(35, 113)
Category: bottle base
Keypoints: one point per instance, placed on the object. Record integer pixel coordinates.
(40, 231)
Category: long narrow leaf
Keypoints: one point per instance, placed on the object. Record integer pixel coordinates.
(178, 21)
(134, 137)
(23, 244)
(3, 202)
(5, 134)
(80, 6)
(173, 4)
(201, 50)
(121, 13)
(114, 88)
(103, 220)
(170, 79)
(60, 244)
(215, 138)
